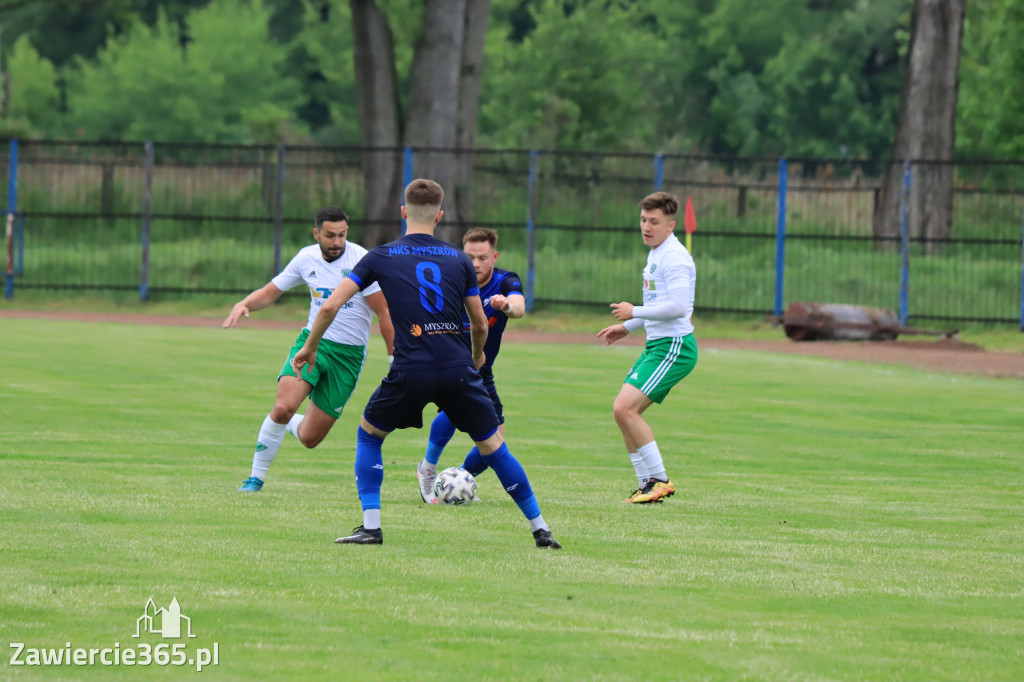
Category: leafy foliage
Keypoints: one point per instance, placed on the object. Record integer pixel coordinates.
(989, 122)
(225, 86)
(576, 82)
(34, 100)
(723, 76)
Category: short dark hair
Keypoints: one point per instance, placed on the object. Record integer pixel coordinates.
(423, 199)
(664, 201)
(330, 214)
(481, 234)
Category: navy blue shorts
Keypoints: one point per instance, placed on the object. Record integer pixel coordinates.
(488, 377)
(399, 400)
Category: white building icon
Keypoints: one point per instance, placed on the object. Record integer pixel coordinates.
(164, 622)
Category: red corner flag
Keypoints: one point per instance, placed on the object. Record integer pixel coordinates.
(689, 219)
(690, 223)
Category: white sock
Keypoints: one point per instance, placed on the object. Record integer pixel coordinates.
(267, 445)
(426, 467)
(641, 469)
(536, 523)
(652, 458)
(293, 424)
(371, 519)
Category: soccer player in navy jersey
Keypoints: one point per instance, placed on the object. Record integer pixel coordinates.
(427, 284)
(501, 293)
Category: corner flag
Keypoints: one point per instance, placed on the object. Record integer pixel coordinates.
(689, 222)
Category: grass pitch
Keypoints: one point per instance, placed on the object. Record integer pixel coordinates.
(833, 521)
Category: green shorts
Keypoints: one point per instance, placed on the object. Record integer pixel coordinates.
(333, 377)
(662, 365)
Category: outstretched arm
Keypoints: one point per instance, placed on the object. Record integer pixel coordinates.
(257, 300)
(513, 305)
(328, 311)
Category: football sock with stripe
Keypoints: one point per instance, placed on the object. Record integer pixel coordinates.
(267, 444)
(642, 474)
(441, 431)
(652, 458)
(513, 479)
(369, 474)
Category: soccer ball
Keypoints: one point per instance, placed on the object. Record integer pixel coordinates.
(456, 486)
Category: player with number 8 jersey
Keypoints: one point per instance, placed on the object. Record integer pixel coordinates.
(427, 283)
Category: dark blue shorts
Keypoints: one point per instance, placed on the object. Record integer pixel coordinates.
(488, 377)
(399, 400)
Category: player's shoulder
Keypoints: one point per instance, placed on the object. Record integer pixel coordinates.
(357, 249)
(506, 277)
(383, 249)
(673, 251)
(304, 255)
(307, 251)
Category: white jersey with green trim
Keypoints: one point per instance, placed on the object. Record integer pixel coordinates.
(352, 325)
(669, 266)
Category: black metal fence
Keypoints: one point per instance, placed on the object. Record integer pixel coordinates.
(180, 219)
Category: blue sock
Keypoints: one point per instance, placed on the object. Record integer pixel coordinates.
(475, 463)
(369, 468)
(441, 431)
(513, 479)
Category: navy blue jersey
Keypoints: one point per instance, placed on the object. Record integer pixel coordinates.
(425, 282)
(502, 282)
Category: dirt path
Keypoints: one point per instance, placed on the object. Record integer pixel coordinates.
(939, 356)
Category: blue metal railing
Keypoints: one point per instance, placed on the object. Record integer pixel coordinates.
(579, 205)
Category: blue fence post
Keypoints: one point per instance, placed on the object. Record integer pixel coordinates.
(659, 171)
(406, 179)
(905, 244)
(147, 195)
(279, 210)
(1022, 273)
(780, 236)
(12, 209)
(531, 230)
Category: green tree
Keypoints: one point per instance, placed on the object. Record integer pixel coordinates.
(326, 37)
(64, 29)
(583, 78)
(792, 77)
(226, 85)
(989, 121)
(734, 41)
(721, 76)
(31, 98)
(836, 91)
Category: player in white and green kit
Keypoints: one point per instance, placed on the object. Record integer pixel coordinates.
(670, 353)
(329, 382)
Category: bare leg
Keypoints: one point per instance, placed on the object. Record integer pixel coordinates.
(629, 405)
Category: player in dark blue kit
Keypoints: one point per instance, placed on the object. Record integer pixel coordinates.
(501, 293)
(427, 284)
